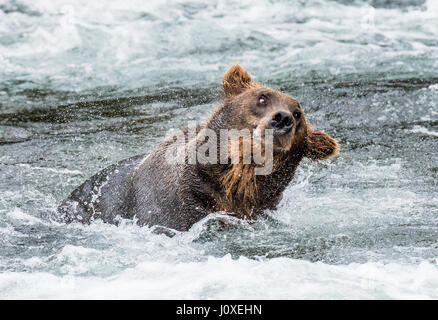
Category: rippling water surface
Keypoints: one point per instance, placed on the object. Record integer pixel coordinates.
(84, 84)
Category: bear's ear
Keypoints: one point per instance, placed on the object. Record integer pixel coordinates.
(236, 80)
(320, 145)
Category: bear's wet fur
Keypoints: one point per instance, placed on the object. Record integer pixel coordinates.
(154, 191)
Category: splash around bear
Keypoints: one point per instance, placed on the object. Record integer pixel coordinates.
(176, 194)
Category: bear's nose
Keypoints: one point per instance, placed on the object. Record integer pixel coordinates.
(282, 122)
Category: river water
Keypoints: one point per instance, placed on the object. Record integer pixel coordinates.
(84, 84)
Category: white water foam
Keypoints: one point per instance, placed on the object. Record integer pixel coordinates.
(225, 278)
(75, 46)
(424, 131)
(146, 42)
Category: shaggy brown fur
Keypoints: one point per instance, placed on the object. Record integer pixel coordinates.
(239, 182)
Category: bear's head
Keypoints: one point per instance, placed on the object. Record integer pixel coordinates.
(256, 107)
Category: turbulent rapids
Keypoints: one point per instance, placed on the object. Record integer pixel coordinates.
(84, 85)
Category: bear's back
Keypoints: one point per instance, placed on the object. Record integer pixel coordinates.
(104, 195)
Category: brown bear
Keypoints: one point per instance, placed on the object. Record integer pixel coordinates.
(156, 191)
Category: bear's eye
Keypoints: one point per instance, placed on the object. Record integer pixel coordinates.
(297, 114)
(262, 100)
